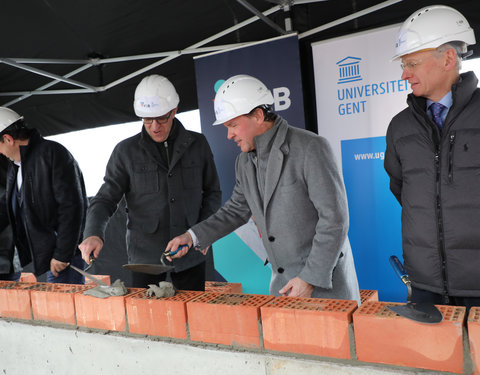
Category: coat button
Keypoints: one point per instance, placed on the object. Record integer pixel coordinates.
(280, 270)
(170, 174)
(172, 200)
(271, 238)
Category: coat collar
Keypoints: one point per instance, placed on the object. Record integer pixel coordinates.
(33, 141)
(276, 159)
(462, 92)
(180, 144)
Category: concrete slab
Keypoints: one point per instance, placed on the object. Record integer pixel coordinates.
(27, 348)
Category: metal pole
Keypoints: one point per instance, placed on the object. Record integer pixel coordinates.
(268, 21)
(46, 74)
(196, 45)
(41, 88)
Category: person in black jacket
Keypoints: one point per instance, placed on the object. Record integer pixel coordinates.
(433, 159)
(45, 200)
(169, 180)
(7, 248)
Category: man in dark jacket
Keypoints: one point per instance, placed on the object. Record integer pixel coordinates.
(170, 182)
(45, 200)
(433, 159)
(7, 270)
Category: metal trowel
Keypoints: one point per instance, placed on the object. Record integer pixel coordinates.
(154, 269)
(419, 312)
(90, 277)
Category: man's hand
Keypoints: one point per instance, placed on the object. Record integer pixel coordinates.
(296, 287)
(92, 244)
(56, 266)
(183, 239)
(205, 251)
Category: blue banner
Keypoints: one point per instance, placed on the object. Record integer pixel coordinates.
(374, 217)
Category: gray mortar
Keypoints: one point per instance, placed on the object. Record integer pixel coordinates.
(100, 291)
(163, 289)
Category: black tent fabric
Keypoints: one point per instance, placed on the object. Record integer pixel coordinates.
(88, 29)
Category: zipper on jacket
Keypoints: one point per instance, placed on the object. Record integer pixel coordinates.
(451, 140)
(168, 156)
(32, 195)
(441, 242)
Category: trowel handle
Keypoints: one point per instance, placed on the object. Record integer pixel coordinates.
(399, 269)
(170, 253)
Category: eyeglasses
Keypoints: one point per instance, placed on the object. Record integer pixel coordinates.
(160, 120)
(410, 65)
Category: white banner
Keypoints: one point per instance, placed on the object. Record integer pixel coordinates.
(358, 91)
(358, 88)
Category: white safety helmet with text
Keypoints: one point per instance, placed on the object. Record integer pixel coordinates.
(238, 95)
(430, 27)
(155, 96)
(8, 117)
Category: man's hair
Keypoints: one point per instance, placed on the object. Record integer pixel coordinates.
(268, 114)
(18, 130)
(460, 49)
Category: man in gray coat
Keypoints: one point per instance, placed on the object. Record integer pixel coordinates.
(169, 180)
(288, 180)
(433, 160)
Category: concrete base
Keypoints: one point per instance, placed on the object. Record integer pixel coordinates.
(27, 348)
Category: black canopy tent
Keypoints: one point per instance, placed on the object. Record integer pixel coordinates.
(70, 65)
(95, 52)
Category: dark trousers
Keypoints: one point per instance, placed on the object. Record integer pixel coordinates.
(420, 295)
(69, 275)
(191, 279)
(12, 276)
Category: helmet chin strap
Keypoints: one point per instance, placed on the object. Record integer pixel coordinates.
(466, 55)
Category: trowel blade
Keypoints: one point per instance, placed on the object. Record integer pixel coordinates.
(151, 269)
(419, 312)
(88, 276)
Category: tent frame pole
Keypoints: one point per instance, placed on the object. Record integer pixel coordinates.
(199, 47)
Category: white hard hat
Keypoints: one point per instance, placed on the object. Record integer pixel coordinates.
(8, 117)
(430, 27)
(155, 96)
(238, 95)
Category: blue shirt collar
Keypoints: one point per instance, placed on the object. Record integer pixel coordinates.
(447, 101)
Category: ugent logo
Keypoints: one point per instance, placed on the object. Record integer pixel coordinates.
(352, 98)
(281, 96)
(349, 69)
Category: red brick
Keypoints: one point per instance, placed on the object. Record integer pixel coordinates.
(102, 313)
(154, 316)
(474, 337)
(104, 278)
(27, 277)
(308, 325)
(382, 336)
(225, 318)
(15, 300)
(222, 287)
(55, 302)
(368, 295)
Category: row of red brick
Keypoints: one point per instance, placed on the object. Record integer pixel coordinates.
(318, 327)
